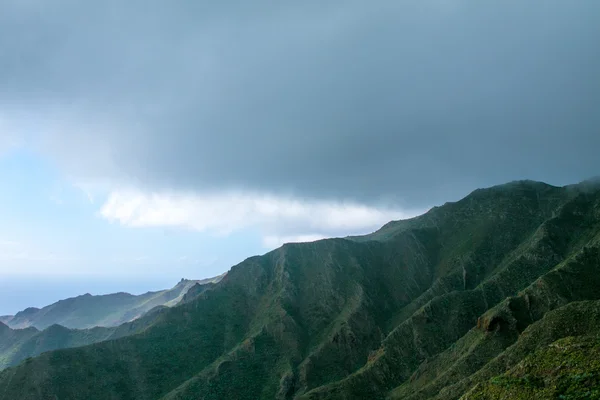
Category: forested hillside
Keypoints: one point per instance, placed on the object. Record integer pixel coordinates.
(456, 302)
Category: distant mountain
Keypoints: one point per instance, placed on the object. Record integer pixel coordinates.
(494, 296)
(89, 311)
(19, 344)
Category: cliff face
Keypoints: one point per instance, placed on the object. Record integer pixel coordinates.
(422, 308)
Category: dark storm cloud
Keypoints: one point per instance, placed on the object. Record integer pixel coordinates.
(409, 100)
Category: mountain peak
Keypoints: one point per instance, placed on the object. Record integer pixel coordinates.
(29, 311)
(526, 184)
(589, 184)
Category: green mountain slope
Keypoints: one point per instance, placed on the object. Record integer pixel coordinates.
(424, 308)
(89, 311)
(19, 344)
(568, 368)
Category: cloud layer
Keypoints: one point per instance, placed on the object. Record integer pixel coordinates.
(272, 121)
(279, 219)
(414, 102)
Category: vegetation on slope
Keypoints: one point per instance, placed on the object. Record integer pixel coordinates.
(567, 369)
(479, 354)
(426, 307)
(16, 345)
(19, 344)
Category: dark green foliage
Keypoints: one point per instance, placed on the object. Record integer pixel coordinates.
(426, 307)
(22, 343)
(19, 344)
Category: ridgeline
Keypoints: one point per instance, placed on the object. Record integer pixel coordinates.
(476, 299)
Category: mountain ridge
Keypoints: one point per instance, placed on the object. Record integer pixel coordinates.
(21, 343)
(107, 310)
(419, 308)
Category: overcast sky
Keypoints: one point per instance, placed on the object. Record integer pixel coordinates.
(144, 141)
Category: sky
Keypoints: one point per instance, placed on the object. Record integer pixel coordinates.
(146, 141)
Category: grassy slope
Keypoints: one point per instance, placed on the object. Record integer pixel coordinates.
(347, 318)
(568, 368)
